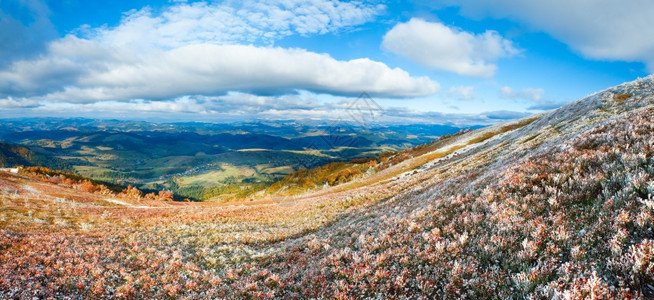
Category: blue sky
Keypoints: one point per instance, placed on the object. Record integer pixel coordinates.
(471, 61)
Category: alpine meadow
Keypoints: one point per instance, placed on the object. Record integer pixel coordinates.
(326, 149)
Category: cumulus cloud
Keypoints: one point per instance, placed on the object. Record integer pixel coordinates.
(14, 103)
(231, 22)
(435, 45)
(243, 105)
(197, 49)
(601, 29)
(79, 70)
(233, 103)
(462, 92)
(531, 94)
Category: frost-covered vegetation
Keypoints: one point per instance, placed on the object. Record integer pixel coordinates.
(558, 207)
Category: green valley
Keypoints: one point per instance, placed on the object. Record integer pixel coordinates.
(203, 161)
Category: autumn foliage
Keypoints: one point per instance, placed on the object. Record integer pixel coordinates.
(562, 208)
(90, 186)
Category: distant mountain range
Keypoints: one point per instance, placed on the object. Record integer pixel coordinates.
(149, 155)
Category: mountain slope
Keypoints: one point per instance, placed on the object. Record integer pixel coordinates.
(14, 155)
(572, 220)
(558, 205)
(561, 207)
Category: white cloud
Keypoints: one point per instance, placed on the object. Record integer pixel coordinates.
(180, 105)
(531, 94)
(243, 106)
(194, 49)
(10, 102)
(437, 46)
(599, 29)
(83, 71)
(232, 103)
(231, 22)
(462, 92)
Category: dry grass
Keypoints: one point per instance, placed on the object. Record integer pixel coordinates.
(621, 97)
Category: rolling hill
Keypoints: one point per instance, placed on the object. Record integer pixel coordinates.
(153, 155)
(557, 205)
(15, 155)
